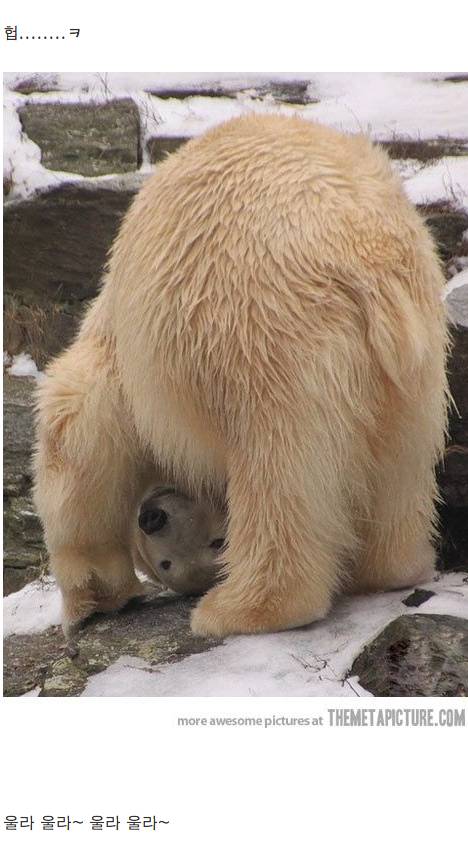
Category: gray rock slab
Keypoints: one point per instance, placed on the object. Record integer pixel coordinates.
(453, 475)
(418, 597)
(56, 243)
(30, 83)
(157, 631)
(18, 432)
(448, 227)
(24, 550)
(88, 139)
(297, 92)
(184, 92)
(159, 147)
(55, 249)
(425, 150)
(15, 578)
(456, 78)
(41, 330)
(417, 656)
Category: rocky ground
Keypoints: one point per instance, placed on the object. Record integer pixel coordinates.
(156, 632)
(74, 162)
(396, 644)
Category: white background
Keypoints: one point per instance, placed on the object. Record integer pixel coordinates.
(307, 787)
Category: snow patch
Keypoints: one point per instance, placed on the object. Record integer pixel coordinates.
(446, 180)
(33, 609)
(33, 693)
(459, 280)
(22, 366)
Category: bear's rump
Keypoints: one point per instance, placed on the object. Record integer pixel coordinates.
(251, 269)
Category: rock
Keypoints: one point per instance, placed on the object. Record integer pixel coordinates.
(453, 551)
(56, 243)
(416, 656)
(283, 91)
(425, 150)
(297, 92)
(36, 83)
(40, 330)
(203, 90)
(456, 78)
(158, 631)
(18, 433)
(453, 474)
(24, 551)
(88, 139)
(448, 226)
(55, 251)
(160, 146)
(15, 578)
(418, 597)
(23, 540)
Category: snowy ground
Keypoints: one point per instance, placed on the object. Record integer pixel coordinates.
(311, 661)
(32, 609)
(307, 662)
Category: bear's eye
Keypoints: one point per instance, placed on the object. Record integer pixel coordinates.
(152, 520)
(217, 543)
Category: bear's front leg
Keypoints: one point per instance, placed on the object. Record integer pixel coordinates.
(87, 475)
(221, 612)
(99, 580)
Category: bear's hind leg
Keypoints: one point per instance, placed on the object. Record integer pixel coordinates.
(398, 536)
(287, 527)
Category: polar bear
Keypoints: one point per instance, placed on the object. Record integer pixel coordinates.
(269, 330)
(177, 541)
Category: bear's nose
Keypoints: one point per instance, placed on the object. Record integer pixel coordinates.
(151, 520)
(165, 564)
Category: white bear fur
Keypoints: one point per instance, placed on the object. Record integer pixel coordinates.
(270, 327)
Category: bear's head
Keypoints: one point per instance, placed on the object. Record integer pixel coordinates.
(180, 541)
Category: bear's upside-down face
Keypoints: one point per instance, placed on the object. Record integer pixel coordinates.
(178, 542)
